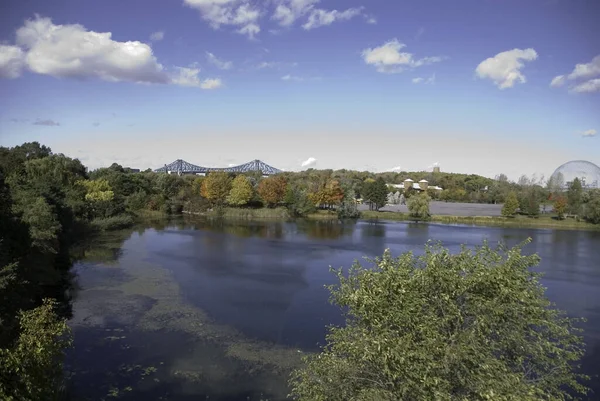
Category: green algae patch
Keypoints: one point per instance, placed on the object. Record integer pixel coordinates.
(142, 297)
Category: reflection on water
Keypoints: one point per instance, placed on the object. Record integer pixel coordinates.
(194, 308)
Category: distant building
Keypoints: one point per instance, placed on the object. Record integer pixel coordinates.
(422, 185)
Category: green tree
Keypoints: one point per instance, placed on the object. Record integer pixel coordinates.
(44, 229)
(241, 191)
(348, 208)
(32, 369)
(298, 202)
(574, 195)
(216, 187)
(510, 205)
(377, 193)
(470, 326)
(418, 206)
(592, 209)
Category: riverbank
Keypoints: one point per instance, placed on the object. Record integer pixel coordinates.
(280, 213)
(498, 221)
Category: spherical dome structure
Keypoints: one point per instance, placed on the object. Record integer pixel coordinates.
(588, 173)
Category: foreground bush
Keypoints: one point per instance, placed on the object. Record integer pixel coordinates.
(113, 223)
(32, 370)
(471, 326)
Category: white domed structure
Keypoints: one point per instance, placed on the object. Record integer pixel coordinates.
(588, 173)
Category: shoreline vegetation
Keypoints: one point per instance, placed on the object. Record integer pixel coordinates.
(281, 213)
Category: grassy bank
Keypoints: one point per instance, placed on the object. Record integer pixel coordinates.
(278, 213)
(281, 213)
(518, 221)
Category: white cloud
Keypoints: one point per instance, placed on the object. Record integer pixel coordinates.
(319, 17)
(211, 83)
(189, 76)
(387, 58)
(589, 133)
(289, 77)
(370, 19)
(288, 11)
(396, 169)
(588, 75)
(428, 81)
(156, 36)
(587, 70)
(71, 51)
(12, 60)
(593, 85)
(275, 64)
(504, 68)
(74, 52)
(223, 65)
(558, 81)
(229, 12)
(310, 162)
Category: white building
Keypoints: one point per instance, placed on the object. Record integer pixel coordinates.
(422, 185)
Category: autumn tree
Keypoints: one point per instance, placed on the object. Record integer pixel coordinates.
(272, 190)
(560, 206)
(241, 191)
(216, 187)
(510, 205)
(476, 325)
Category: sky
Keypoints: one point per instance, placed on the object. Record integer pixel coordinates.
(475, 86)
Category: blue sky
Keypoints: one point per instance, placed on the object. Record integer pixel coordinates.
(478, 86)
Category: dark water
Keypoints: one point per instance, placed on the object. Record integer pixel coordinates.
(195, 310)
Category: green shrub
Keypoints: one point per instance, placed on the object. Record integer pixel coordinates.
(469, 326)
(113, 223)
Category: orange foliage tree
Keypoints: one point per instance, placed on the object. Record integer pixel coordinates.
(560, 206)
(330, 194)
(272, 190)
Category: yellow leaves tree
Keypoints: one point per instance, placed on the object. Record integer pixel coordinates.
(272, 190)
(98, 190)
(216, 187)
(241, 191)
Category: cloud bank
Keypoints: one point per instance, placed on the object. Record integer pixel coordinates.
(72, 51)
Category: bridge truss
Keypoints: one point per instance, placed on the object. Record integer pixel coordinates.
(182, 167)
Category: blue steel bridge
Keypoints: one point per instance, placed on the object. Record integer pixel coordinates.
(182, 167)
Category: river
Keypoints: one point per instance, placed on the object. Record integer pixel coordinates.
(194, 310)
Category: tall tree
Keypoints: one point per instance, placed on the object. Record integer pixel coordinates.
(472, 326)
(378, 193)
(272, 190)
(510, 205)
(592, 208)
(418, 206)
(241, 191)
(560, 206)
(574, 196)
(216, 187)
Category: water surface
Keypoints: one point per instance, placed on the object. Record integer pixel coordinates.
(223, 311)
